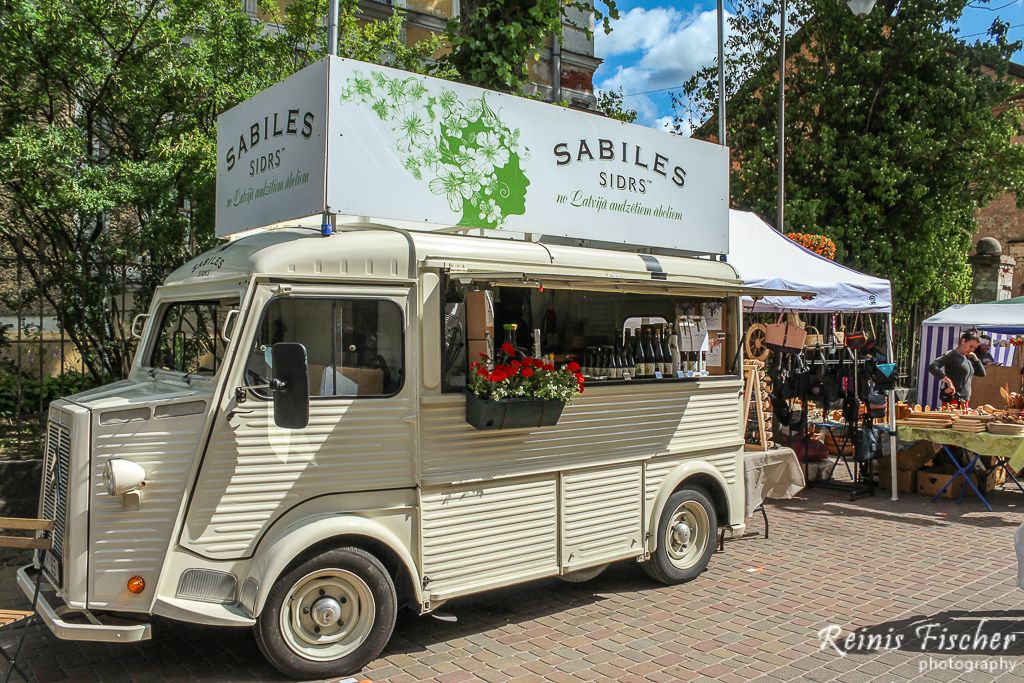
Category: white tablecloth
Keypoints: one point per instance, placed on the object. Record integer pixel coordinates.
(771, 474)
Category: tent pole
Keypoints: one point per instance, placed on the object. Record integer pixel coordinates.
(892, 419)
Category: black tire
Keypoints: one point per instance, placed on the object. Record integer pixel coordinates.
(674, 561)
(357, 582)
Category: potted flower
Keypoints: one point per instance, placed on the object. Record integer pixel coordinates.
(520, 392)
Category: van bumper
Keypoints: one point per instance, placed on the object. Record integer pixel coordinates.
(94, 629)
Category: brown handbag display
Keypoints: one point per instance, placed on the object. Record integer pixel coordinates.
(857, 339)
(784, 336)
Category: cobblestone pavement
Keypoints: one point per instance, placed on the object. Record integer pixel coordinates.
(755, 615)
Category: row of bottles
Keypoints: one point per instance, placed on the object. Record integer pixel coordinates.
(646, 354)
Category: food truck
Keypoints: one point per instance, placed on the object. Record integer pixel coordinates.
(291, 451)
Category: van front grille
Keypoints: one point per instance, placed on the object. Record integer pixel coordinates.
(56, 470)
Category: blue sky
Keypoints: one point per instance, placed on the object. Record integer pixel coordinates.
(658, 44)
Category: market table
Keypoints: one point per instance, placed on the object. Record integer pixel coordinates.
(775, 473)
(1008, 450)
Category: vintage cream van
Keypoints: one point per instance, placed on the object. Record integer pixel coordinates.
(177, 494)
(291, 450)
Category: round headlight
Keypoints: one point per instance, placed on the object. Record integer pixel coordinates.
(122, 476)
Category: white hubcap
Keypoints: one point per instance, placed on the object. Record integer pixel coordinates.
(688, 534)
(327, 614)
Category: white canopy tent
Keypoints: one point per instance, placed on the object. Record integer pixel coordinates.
(766, 258)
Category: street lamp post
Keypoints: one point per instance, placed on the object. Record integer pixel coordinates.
(860, 8)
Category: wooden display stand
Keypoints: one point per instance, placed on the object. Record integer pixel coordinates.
(755, 400)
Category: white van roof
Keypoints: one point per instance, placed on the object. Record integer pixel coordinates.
(383, 254)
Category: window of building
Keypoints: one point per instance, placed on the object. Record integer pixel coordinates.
(354, 346)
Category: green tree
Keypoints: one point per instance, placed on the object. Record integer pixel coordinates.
(896, 132)
(610, 103)
(493, 41)
(107, 136)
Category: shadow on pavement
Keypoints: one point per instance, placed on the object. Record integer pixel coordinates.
(911, 509)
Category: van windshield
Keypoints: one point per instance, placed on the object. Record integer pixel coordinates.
(188, 338)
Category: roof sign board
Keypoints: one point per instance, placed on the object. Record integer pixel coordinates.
(358, 139)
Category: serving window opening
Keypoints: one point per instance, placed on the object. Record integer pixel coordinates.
(614, 336)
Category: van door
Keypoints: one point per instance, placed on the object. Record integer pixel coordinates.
(361, 430)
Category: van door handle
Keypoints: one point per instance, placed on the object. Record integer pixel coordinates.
(409, 419)
(235, 411)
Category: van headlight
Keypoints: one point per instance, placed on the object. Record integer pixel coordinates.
(123, 476)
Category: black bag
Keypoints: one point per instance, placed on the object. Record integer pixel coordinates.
(876, 403)
(868, 445)
(883, 375)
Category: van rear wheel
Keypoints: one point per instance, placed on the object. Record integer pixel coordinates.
(329, 616)
(686, 537)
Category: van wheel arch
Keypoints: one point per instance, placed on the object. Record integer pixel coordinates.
(385, 555)
(713, 489)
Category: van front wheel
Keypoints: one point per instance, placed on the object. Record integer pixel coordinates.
(330, 616)
(686, 537)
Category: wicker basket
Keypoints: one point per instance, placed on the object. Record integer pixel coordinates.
(814, 338)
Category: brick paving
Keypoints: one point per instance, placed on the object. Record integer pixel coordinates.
(871, 564)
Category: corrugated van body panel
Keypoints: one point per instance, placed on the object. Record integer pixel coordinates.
(603, 425)
(254, 471)
(126, 543)
(480, 536)
(602, 514)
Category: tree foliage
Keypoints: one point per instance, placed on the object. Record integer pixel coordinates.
(896, 132)
(494, 41)
(610, 103)
(107, 136)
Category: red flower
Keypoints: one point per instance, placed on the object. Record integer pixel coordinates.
(516, 364)
(483, 355)
(527, 372)
(549, 368)
(508, 348)
(573, 366)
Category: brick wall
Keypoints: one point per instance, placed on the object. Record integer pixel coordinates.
(1002, 219)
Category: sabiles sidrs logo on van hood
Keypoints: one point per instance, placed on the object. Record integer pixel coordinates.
(252, 141)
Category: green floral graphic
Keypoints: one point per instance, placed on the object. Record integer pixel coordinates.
(461, 147)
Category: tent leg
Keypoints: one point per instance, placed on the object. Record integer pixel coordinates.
(892, 420)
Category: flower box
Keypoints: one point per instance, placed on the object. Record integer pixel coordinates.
(512, 413)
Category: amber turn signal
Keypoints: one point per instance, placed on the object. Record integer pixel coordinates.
(136, 585)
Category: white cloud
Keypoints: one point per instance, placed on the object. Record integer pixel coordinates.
(636, 29)
(671, 47)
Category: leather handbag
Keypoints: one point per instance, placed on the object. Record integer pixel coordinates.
(784, 336)
(857, 339)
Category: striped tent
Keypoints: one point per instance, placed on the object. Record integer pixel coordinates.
(935, 341)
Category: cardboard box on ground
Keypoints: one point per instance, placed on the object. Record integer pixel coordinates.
(908, 461)
(929, 483)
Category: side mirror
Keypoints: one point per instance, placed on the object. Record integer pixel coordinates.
(290, 385)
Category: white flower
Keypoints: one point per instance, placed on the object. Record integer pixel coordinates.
(451, 184)
(430, 157)
(491, 149)
(490, 212)
(474, 178)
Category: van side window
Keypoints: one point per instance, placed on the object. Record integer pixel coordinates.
(355, 347)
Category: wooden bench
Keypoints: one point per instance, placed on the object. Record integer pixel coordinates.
(33, 542)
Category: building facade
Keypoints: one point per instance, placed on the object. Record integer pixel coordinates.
(1002, 219)
(564, 72)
